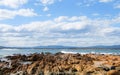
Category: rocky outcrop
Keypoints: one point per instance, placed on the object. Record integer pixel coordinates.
(60, 64)
(113, 72)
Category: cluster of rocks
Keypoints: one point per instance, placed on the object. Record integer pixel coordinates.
(60, 64)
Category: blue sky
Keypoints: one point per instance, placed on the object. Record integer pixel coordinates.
(59, 22)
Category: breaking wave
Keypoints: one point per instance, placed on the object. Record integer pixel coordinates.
(9, 49)
(92, 52)
(68, 52)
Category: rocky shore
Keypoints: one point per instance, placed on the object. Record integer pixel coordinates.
(60, 64)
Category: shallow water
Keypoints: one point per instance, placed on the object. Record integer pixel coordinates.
(5, 52)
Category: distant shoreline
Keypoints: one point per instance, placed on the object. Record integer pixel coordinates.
(63, 47)
(56, 48)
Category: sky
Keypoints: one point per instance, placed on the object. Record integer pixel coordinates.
(26, 23)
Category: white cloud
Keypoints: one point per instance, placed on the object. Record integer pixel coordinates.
(117, 6)
(88, 3)
(5, 28)
(26, 12)
(12, 3)
(95, 14)
(74, 26)
(61, 18)
(45, 9)
(48, 15)
(76, 30)
(46, 3)
(10, 14)
(6, 14)
(105, 1)
(74, 18)
(35, 26)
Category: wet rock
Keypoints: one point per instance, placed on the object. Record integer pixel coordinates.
(113, 67)
(106, 68)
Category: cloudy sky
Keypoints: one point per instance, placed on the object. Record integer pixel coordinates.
(59, 22)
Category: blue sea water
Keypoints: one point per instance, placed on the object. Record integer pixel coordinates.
(6, 52)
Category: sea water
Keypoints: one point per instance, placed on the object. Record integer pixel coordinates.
(6, 52)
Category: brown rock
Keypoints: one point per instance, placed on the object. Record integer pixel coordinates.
(113, 72)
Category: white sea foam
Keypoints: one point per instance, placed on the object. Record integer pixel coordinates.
(1, 56)
(68, 52)
(71, 52)
(9, 49)
(25, 62)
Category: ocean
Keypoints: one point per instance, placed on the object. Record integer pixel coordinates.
(6, 52)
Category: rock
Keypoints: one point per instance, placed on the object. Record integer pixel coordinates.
(118, 68)
(113, 67)
(113, 72)
(18, 73)
(35, 57)
(32, 68)
(61, 64)
(106, 68)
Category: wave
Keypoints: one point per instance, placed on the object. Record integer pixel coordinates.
(68, 52)
(9, 49)
(92, 52)
(71, 52)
